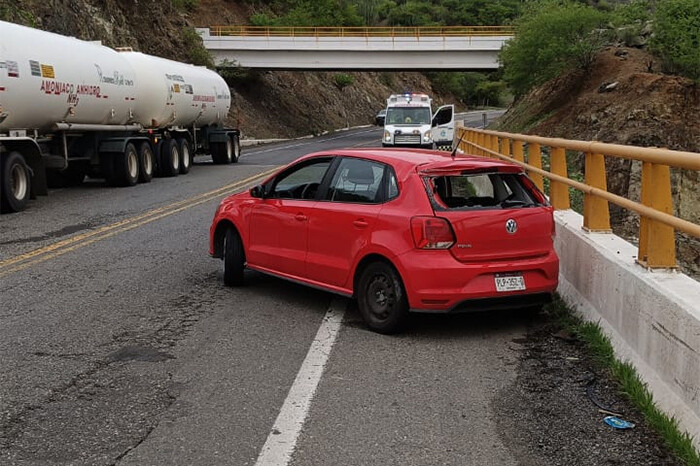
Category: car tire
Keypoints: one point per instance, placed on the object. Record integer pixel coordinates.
(233, 258)
(381, 298)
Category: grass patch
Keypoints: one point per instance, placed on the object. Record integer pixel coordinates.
(629, 383)
(342, 80)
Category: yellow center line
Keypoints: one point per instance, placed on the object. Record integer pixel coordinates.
(59, 248)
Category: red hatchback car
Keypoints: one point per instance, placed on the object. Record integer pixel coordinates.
(398, 229)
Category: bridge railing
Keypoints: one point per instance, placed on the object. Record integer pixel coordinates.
(657, 227)
(415, 32)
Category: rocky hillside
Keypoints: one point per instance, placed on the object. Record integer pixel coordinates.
(624, 100)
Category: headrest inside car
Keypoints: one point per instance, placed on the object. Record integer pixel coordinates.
(360, 173)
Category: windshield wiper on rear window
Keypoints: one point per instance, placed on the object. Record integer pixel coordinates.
(516, 203)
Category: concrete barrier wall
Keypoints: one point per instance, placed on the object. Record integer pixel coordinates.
(652, 318)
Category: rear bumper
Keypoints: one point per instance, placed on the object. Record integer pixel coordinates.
(499, 303)
(436, 282)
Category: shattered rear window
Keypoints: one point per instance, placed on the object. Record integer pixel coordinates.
(482, 191)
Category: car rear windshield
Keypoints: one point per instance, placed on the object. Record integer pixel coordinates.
(494, 190)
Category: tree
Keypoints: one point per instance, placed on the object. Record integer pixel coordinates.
(676, 36)
(551, 36)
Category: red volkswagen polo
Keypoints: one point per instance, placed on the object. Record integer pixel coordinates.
(400, 230)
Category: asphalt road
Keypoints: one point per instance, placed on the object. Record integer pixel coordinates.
(119, 344)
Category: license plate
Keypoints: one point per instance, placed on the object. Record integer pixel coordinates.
(510, 283)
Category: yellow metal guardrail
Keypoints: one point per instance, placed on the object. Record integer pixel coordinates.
(657, 247)
(417, 32)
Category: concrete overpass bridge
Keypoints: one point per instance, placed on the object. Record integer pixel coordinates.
(357, 48)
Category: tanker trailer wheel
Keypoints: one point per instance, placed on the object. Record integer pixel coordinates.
(126, 167)
(16, 182)
(185, 155)
(147, 162)
(222, 152)
(169, 158)
(236, 147)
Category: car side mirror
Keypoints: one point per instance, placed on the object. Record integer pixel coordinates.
(257, 191)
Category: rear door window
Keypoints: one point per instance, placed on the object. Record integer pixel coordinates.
(358, 180)
(494, 190)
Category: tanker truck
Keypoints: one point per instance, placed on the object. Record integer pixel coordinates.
(71, 108)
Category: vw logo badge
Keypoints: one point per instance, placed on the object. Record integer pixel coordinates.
(511, 226)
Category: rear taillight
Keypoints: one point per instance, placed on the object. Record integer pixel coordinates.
(432, 233)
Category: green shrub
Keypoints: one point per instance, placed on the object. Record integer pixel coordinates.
(194, 46)
(261, 19)
(342, 80)
(488, 93)
(472, 88)
(551, 36)
(634, 12)
(236, 76)
(676, 38)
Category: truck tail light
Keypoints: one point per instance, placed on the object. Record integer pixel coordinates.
(432, 233)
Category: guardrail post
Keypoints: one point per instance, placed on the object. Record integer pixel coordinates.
(596, 212)
(493, 144)
(505, 147)
(518, 151)
(657, 241)
(559, 192)
(534, 158)
(476, 140)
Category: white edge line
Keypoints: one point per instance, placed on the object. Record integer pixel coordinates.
(280, 443)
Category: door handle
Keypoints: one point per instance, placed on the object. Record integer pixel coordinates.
(301, 217)
(360, 223)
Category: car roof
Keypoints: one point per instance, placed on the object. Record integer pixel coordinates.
(427, 161)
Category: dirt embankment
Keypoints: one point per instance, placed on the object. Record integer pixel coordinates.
(623, 100)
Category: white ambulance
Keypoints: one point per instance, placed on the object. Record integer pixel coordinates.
(409, 122)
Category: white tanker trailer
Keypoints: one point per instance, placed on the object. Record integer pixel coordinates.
(69, 108)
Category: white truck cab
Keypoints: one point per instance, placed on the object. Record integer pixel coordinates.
(409, 122)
